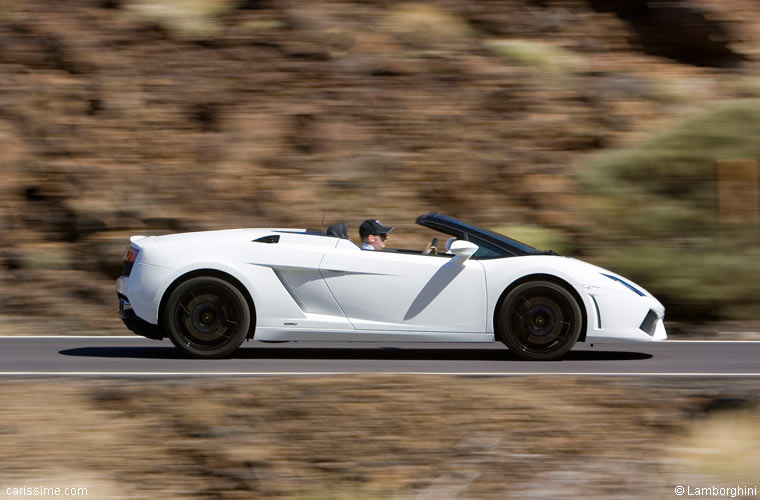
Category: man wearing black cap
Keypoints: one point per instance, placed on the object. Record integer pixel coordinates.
(373, 234)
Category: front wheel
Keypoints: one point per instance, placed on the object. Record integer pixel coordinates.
(207, 317)
(539, 320)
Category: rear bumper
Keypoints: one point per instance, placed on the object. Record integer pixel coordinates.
(145, 287)
(136, 324)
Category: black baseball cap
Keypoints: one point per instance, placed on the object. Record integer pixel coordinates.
(373, 227)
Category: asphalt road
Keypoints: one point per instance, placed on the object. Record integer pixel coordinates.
(127, 356)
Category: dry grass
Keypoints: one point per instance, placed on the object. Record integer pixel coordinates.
(183, 18)
(726, 446)
(370, 437)
(544, 57)
(425, 26)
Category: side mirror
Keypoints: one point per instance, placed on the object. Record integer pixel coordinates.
(463, 250)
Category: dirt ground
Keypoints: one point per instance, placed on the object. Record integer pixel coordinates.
(381, 437)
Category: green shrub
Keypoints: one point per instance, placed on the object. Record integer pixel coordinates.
(653, 214)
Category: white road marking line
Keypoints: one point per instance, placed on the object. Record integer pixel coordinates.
(135, 337)
(709, 341)
(321, 374)
(72, 337)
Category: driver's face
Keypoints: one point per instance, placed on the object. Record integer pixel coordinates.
(377, 240)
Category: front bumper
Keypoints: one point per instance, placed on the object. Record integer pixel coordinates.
(622, 316)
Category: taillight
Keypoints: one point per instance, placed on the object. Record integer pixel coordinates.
(129, 258)
(130, 254)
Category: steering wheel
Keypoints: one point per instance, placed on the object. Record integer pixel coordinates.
(431, 248)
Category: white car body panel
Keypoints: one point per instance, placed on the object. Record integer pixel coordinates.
(620, 310)
(405, 292)
(317, 287)
(145, 287)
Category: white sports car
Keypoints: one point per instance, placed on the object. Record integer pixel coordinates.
(210, 291)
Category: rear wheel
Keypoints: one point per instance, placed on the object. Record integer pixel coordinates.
(539, 320)
(207, 317)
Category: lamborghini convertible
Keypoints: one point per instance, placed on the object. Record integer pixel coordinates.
(210, 291)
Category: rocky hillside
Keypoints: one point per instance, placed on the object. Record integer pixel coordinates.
(153, 116)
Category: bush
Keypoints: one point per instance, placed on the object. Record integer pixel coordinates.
(653, 215)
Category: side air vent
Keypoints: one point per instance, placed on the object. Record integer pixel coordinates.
(649, 323)
(273, 238)
(598, 313)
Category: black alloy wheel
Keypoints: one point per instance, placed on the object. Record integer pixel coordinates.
(539, 320)
(207, 317)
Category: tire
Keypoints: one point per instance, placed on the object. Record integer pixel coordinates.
(539, 321)
(207, 317)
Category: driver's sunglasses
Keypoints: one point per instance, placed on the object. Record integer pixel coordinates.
(383, 236)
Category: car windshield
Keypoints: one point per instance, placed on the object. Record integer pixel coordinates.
(509, 241)
(492, 245)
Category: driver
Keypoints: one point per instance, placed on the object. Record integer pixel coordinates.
(373, 234)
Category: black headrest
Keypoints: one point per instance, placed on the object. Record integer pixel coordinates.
(338, 230)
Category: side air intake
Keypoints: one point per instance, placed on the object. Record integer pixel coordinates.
(649, 323)
(274, 238)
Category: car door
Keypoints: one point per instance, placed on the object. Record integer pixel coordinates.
(382, 290)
